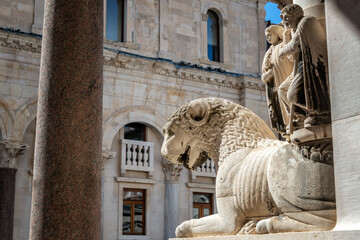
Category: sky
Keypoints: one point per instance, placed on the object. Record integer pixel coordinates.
(272, 13)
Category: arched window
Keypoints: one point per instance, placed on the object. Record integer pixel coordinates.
(135, 131)
(115, 20)
(213, 36)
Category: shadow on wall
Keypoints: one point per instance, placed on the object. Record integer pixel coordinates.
(350, 10)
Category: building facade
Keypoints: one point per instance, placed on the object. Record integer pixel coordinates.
(158, 55)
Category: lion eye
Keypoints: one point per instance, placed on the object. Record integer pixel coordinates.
(170, 133)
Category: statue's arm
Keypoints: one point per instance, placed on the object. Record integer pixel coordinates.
(267, 62)
(292, 47)
(267, 76)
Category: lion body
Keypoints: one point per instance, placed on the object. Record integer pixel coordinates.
(258, 178)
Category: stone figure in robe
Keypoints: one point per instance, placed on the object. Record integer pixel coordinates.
(275, 71)
(308, 91)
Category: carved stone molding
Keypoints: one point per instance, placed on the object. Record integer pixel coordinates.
(8, 153)
(196, 75)
(20, 42)
(107, 155)
(172, 171)
(33, 44)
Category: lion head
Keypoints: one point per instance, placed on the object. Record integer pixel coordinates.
(196, 131)
(193, 131)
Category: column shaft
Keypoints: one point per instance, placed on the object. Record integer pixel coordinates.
(7, 200)
(171, 208)
(67, 166)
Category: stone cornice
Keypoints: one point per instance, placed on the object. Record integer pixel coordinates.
(31, 43)
(20, 41)
(196, 75)
(9, 152)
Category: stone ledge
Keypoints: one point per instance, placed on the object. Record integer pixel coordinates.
(321, 235)
(135, 180)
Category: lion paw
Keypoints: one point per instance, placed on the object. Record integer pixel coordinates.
(264, 226)
(248, 228)
(183, 230)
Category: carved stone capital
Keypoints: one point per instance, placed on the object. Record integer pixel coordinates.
(204, 16)
(172, 171)
(8, 153)
(106, 156)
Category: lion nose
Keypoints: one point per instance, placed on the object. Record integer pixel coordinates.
(164, 151)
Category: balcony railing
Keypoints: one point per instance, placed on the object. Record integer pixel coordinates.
(136, 156)
(207, 169)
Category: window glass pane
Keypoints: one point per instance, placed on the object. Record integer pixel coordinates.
(201, 198)
(138, 219)
(126, 218)
(213, 36)
(195, 212)
(133, 195)
(115, 20)
(135, 131)
(206, 212)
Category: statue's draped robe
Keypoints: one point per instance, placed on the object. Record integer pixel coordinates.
(310, 87)
(281, 68)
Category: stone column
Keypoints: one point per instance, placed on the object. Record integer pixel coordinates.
(342, 21)
(261, 13)
(8, 153)
(66, 200)
(106, 155)
(313, 8)
(172, 173)
(204, 48)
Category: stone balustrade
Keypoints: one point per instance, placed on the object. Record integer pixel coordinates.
(136, 156)
(207, 169)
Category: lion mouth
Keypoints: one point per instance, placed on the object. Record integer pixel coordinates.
(184, 158)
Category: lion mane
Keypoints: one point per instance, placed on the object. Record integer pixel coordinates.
(236, 126)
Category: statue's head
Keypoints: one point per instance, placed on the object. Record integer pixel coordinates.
(291, 15)
(184, 133)
(274, 34)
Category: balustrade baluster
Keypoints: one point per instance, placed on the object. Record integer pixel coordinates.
(128, 154)
(132, 155)
(140, 155)
(136, 151)
(146, 156)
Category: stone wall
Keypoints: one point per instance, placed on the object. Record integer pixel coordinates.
(144, 81)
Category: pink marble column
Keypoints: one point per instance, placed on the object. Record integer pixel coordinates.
(67, 168)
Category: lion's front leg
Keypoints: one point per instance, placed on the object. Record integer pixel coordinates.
(228, 221)
(194, 226)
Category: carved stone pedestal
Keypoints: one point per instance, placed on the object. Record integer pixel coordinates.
(320, 235)
(315, 143)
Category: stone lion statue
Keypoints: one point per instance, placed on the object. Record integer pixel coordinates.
(262, 186)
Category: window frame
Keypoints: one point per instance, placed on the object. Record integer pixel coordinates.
(121, 21)
(221, 12)
(218, 32)
(132, 214)
(201, 206)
